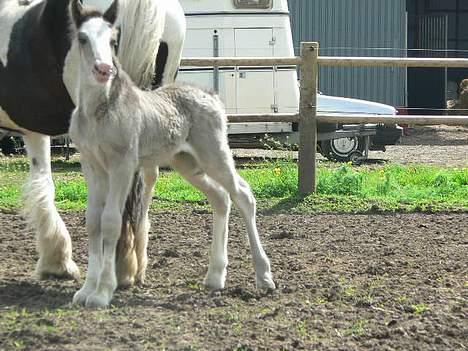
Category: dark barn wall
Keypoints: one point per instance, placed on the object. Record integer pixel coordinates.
(353, 28)
(432, 87)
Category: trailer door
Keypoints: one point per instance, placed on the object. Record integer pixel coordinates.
(254, 85)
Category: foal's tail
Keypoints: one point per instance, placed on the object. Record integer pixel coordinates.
(133, 225)
(141, 28)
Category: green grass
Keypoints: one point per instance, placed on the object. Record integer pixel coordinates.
(340, 188)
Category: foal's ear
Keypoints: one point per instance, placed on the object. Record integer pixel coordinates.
(77, 12)
(111, 13)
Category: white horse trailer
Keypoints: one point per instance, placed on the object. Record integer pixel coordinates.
(262, 28)
(249, 29)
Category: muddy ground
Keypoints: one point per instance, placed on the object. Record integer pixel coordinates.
(345, 282)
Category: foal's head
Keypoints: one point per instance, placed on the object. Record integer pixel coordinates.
(96, 40)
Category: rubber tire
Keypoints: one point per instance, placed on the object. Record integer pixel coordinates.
(7, 146)
(328, 150)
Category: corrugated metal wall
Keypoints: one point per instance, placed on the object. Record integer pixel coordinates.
(351, 28)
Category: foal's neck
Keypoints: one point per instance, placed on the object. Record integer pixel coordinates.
(94, 98)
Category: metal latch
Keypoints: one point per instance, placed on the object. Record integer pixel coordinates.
(273, 41)
(274, 108)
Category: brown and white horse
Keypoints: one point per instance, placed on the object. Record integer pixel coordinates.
(37, 95)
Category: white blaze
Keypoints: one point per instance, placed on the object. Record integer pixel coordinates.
(102, 5)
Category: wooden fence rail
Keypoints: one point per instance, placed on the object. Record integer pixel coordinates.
(353, 118)
(309, 63)
(327, 61)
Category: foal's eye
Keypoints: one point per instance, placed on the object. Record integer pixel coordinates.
(82, 39)
(113, 43)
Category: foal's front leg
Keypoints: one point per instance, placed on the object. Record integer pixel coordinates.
(120, 178)
(97, 183)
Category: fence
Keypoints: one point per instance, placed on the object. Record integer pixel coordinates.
(307, 117)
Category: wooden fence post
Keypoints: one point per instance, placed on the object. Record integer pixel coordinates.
(308, 118)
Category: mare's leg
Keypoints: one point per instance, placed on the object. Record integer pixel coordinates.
(186, 165)
(219, 165)
(120, 180)
(53, 241)
(97, 183)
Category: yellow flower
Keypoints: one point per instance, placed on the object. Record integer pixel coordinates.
(277, 171)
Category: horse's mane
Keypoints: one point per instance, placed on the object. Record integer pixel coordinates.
(141, 28)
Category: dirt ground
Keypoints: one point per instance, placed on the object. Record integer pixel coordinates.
(345, 282)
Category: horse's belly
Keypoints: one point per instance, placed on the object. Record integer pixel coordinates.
(7, 123)
(160, 155)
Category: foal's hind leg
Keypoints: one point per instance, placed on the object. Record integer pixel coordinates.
(150, 175)
(219, 165)
(53, 241)
(126, 259)
(186, 165)
(132, 257)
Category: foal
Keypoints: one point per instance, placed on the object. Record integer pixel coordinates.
(180, 126)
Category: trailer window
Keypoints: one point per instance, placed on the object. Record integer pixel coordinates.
(253, 4)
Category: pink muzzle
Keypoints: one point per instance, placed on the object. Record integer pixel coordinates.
(103, 72)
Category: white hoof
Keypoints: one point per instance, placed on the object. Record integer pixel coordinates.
(214, 281)
(96, 300)
(265, 282)
(68, 270)
(81, 295)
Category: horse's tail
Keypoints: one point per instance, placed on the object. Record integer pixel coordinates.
(141, 28)
(141, 25)
(133, 226)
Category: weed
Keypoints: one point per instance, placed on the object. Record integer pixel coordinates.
(302, 329)
(419, 308)
(402, 300)
(349, 291)
(192, 285)
(343, 181)
(243, 348)
(357, 329)
(19, 344)
(237, 328)
(320, 300)
(232, 316)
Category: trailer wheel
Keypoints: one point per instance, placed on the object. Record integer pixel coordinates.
(342, 149)
(7, 145)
